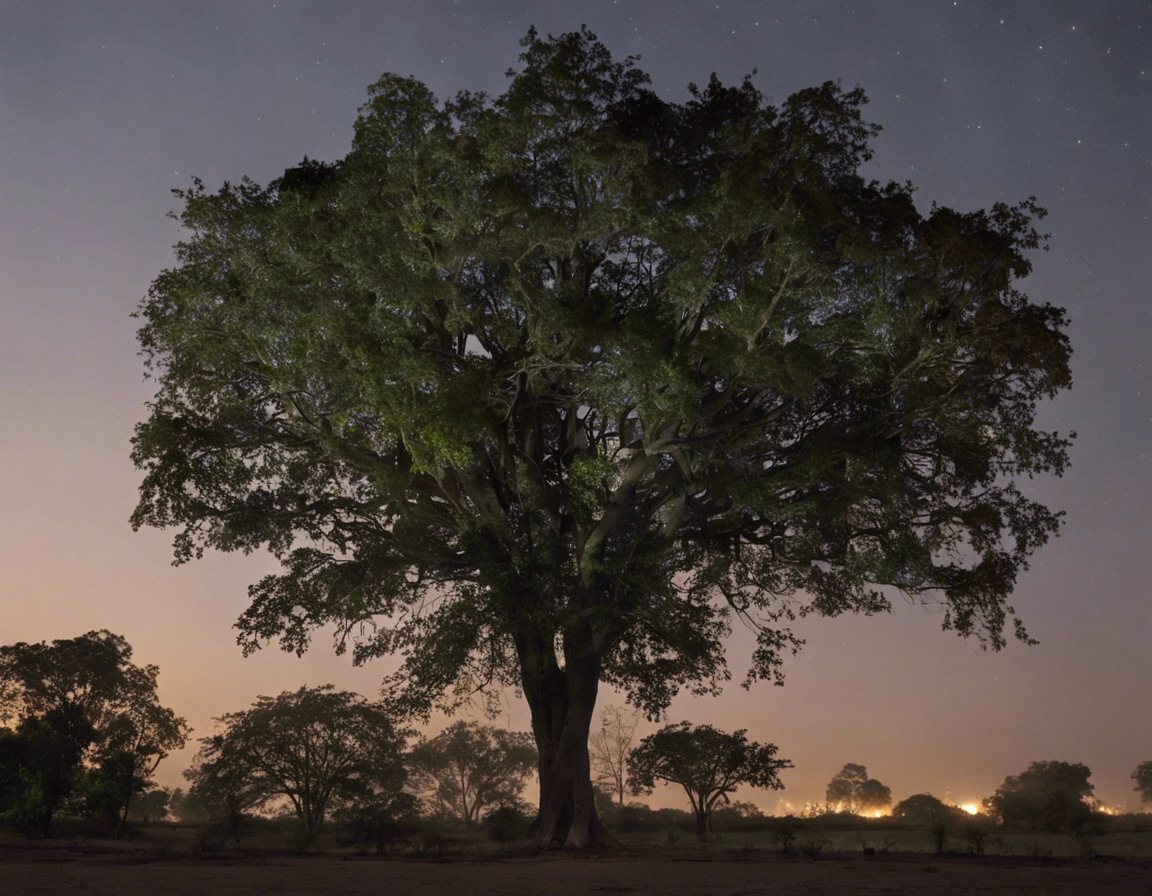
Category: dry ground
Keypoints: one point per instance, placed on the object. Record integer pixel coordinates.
(63, 867)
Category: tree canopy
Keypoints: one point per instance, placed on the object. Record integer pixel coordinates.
(709, 764)
(1143, 778)
(925, 809)
(314, 747)
(548, 389)
(851, 790)
(468, 769)
(82, 702)
(1050, 795)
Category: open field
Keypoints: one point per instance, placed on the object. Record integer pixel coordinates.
(1135, 846)
(160, 865)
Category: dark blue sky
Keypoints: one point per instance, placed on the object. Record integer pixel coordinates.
(105, 107)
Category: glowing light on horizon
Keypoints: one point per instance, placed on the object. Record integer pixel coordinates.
(970, 808)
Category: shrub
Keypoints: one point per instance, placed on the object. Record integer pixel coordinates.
(812, 848)
(975, 834)
(506, 824)
(939, 831)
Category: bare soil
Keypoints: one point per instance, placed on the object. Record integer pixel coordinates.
(52, 868)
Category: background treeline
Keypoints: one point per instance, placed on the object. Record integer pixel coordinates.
(84, 734)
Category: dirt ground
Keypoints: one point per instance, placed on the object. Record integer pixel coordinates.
(72, 869)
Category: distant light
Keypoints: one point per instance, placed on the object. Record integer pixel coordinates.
(970, 808)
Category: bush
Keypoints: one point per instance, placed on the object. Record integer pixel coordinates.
(377, 824)
(812, 848)
(975, 834)
(786, 835)
(506, 824)
(29, 809)
(738, 817)
(939, 831)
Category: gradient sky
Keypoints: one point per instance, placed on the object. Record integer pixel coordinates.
(107, 106)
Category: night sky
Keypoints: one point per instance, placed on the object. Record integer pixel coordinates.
(105, 107)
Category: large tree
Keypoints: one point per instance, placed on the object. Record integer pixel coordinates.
(1047, 795)
(97, 708)
(469, 769)
(314, 747)
(547, 389)
(851, 790)
(709, 764)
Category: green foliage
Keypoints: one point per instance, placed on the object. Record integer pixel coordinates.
(316, 747)
(1048, 795)
(38, 768)
(470, 768)
(87, 715)
(547, 388)
(709, 764)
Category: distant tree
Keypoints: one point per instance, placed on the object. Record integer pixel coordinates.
(469, 768)
(1143, 778)
(544, 389)
(1048, 795)
(841, 790)
(872, 796)
(221, 791)
(314, 746)
(134, 744)
(152, 805)
(709, 764)
(851, 790)
(608, 750)
(924, 809)
(187, 808)
(100, 710)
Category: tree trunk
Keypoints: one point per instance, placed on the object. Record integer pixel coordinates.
(702, 826)
(562, 700)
